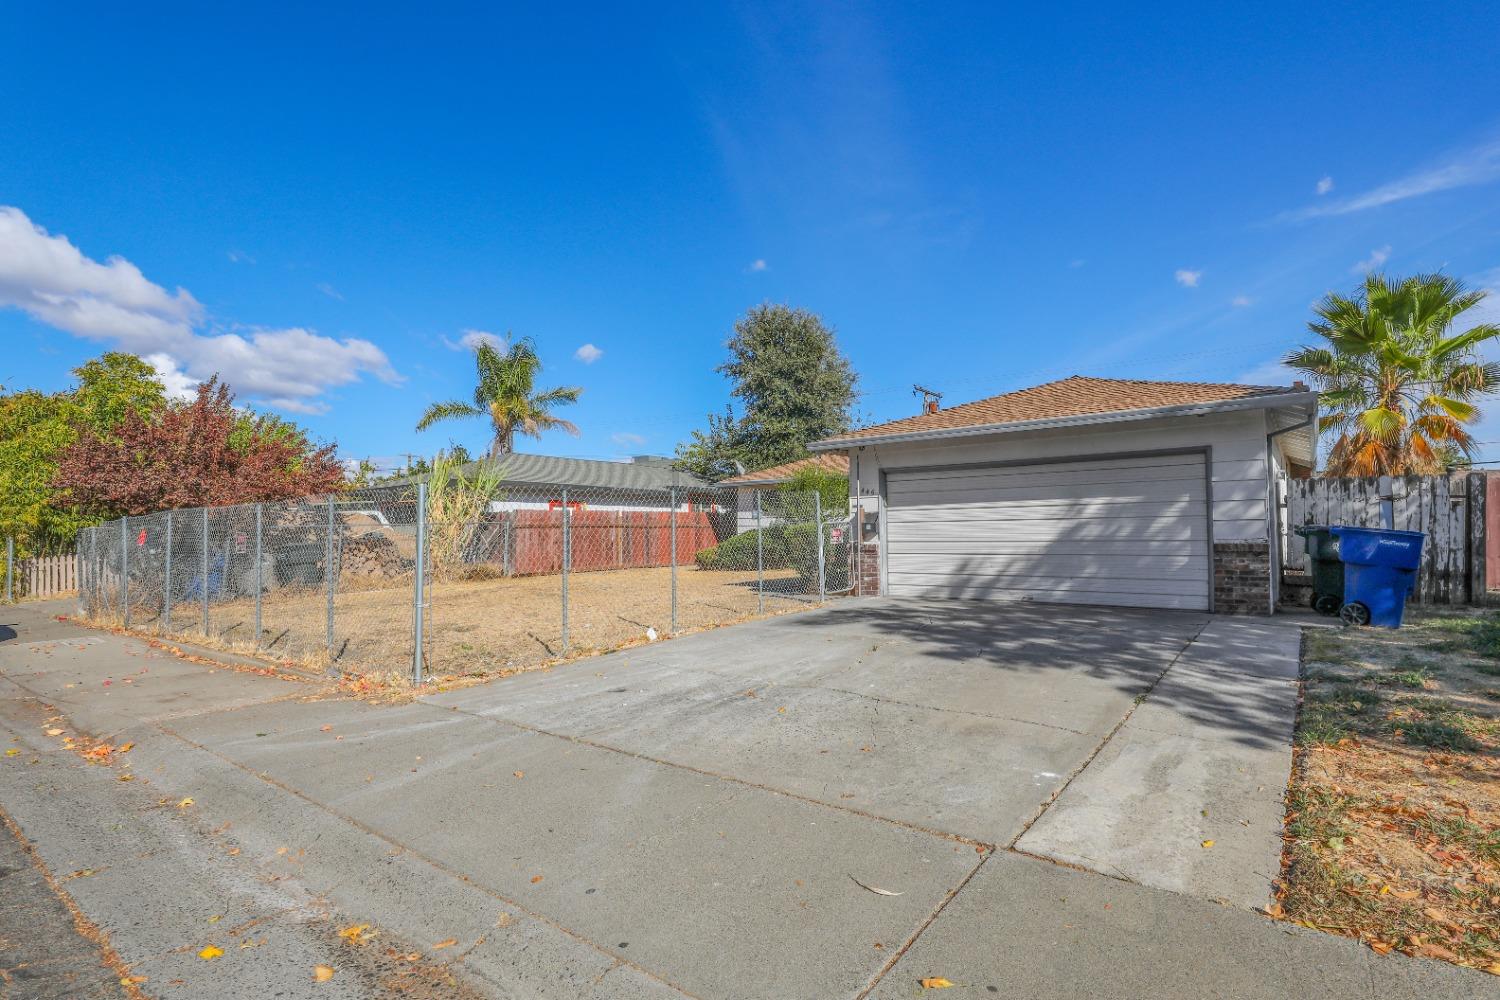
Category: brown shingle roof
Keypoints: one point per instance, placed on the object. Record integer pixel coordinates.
(836, 464)
(1070, 397)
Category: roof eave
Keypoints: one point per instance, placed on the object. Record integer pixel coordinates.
(1308, 398)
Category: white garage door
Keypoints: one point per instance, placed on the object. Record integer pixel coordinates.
(1130, 532)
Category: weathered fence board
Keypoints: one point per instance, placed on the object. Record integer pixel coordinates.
(1450, 511)
(531, 540)
(43, 576)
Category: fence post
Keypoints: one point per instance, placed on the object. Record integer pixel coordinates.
(818, 527)
(332, 576)
(672, 629)
(125, 570)
(419, 596)
(203, 567)
(567, 557)
(10, 570)
(166, 582)
(260, 583)
(760, 571)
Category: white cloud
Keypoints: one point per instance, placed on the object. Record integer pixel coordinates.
(329, 290)
(470, 340)
(1188, 279)
(1269, 373)
(757, 265)
(588, 354)
(1241, 301)
(625, 439)
(50, 279)
(1377, 257)
(1325, 185)
(1478, 165)
(239, 257)
(173, 379)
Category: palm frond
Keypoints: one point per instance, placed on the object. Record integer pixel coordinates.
(446, 411)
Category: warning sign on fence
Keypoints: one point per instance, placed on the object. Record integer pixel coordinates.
(240, 541)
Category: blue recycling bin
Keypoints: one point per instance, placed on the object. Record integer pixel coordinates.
(1380, 570)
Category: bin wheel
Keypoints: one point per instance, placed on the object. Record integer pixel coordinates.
(1354, 613)
(1326, 604)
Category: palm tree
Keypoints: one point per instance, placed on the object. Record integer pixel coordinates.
(1397, 385)
(506, 394)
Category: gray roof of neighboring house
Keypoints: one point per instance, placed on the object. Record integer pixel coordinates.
(644, 472)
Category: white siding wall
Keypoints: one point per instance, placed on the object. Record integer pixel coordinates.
(1238, 441)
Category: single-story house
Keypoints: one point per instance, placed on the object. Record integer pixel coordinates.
(1085, 490)
(748, 484)
(644, 483)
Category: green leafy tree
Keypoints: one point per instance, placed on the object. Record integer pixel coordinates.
(832, 489)
(506, 393)
(36, 428)
(794, 385)
(1397, 385)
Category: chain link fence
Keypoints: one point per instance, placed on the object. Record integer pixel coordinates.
(360, 581)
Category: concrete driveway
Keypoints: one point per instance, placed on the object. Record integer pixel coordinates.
(713, 816)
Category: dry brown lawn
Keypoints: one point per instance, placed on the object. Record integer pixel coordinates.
(1393, 824)
(488, 626)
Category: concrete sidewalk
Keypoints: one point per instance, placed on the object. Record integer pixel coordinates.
(592, 862)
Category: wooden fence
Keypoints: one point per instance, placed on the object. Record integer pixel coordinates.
(43, 576)
(1451, 510)
(529, 542)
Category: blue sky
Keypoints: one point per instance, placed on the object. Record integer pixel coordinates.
(321, 203)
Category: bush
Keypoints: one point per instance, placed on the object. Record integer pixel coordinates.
(783, 546)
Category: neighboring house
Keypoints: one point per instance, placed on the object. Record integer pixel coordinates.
(748, 485)
(1088, 491)
(646, 482)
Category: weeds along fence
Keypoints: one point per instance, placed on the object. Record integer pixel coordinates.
(410, 580)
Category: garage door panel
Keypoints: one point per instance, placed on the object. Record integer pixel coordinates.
(1098, 470)
(1094, 566)
(1080, 531)
(1044, 585)
(1063, 511)
(1160, 489)
(1129, 532)
(1166, 602)
(1129, 548)
(903, 489)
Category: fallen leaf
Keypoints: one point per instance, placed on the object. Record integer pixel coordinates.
(125, 747)
(448, 943)
(519, 774)
(184, 803)
(12, 752)
(1405, 893)
(1207, 844)
(127, 777)
(322, 973)
(210, 953)
(536, 878)
(1381, 947)
(54, 732)
(215, 918)
(354, 933)
(133, 980)
(324, 729)
(934, 983)
(875, 889)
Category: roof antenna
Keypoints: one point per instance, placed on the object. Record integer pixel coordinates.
(930, 399)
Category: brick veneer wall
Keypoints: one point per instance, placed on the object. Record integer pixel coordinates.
(1242, 578)
(868, 584)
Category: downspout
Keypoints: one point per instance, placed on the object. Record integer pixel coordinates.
(1273, 534)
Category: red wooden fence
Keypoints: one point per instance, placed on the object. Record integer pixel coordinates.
(603, 539)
